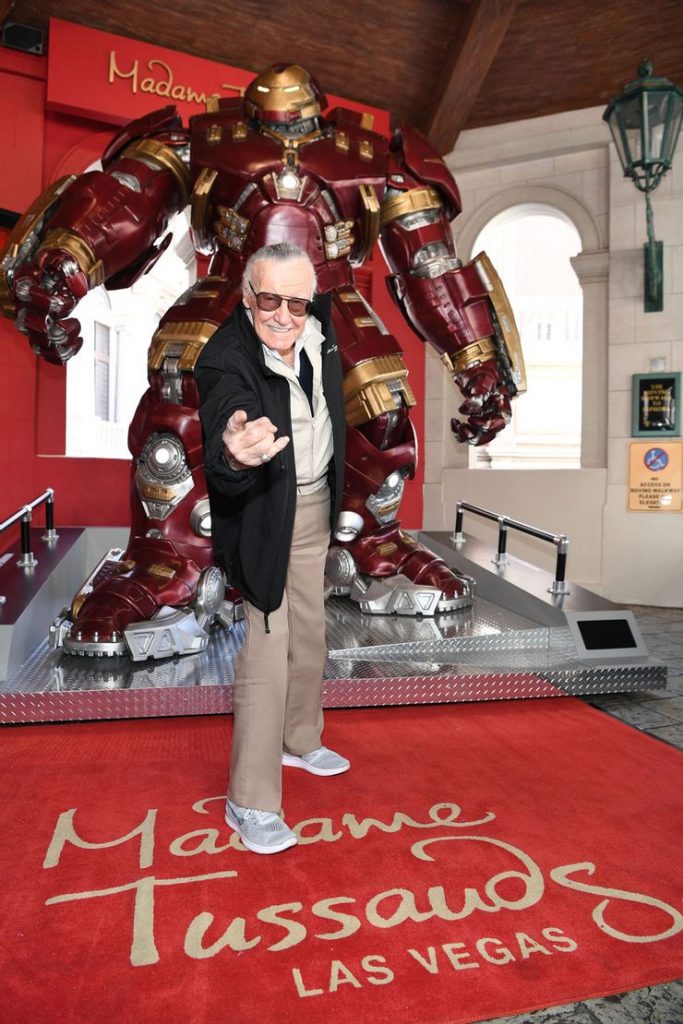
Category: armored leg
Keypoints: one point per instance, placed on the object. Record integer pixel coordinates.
(371, 559)
(160, 596)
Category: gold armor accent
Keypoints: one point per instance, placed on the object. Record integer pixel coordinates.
(156, 493)
(364, 321)
(367, 121)
(338, 239)
(165, 157)
(76, 605)
(289, 90)
(164, 572)
(341, 142)
(350, 297)
(208, 287)
(476, 352)
(239, 131)
(180, 339)
(410, 202)
(212, 105)
(365, 150)
(23, 239)
(367, 393)
(370, 223)
(214, 134)
(72, 243)
(231, 229)
(117, 568)
(510, 341)
(388, 548)
(201, 208)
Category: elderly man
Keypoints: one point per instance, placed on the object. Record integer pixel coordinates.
(272, 412)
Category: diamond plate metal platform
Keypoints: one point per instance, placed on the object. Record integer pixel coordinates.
(486, 652)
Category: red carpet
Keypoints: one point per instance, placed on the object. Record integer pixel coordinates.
(521, 854)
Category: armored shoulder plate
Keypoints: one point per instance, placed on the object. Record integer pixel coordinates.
(160, 121)
(410, 150)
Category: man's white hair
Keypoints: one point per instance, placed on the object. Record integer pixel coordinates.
(279, 251)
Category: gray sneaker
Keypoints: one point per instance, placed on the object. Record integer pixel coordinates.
(319, 762)
(260, 831)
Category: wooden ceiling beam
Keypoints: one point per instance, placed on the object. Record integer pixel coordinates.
(476, 43)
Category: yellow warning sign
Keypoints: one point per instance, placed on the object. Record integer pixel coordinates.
(655, 477)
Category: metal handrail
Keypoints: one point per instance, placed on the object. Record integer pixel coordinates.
(25, 514)
(560, 540)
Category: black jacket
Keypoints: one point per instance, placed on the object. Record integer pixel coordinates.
(252, 510)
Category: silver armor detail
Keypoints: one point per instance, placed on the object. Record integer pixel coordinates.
(338, 239)
(396, 595)
(128, 180)
(433, 260)
(232, 229)
(171, 631)
(210, 595)
(340, 570)
(371, 313)
(349, 525)
(200, 518)
(163, 477)
(419, 219)
(172, 381)
(384, 503)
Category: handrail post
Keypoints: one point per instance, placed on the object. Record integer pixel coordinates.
(458, 535)
(50, 534)
(561, 541)
(559, 586)
(501, 555)
(27, 561)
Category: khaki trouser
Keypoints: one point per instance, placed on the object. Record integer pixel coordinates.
(278, 675)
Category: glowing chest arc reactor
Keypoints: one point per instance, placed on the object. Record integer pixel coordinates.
(289, 184)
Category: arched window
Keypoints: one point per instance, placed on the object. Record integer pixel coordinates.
(531, 245)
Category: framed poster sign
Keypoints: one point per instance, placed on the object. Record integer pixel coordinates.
(656, 408)
(655, 477)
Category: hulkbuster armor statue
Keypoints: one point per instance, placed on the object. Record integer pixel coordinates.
(256, 170)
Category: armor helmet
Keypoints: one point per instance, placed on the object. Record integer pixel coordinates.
(283, 94)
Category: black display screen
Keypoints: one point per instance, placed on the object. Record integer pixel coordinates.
(606, 634)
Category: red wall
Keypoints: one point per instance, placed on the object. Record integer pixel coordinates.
(43, 143)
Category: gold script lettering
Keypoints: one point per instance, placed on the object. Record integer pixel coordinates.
(143, 950)
(234, 937)
(532, 880)
(161, 82)
(561, 876)
(66, 833)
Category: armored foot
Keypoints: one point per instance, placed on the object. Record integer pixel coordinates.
(389, 572)
(150, 603)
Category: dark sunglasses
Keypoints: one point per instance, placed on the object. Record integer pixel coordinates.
(268, 302)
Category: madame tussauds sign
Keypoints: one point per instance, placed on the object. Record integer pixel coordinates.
(448, 894)
(116, 79)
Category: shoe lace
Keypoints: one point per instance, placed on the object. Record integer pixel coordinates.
(266, 819)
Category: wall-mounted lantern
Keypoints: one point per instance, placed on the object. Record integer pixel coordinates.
(645, 119)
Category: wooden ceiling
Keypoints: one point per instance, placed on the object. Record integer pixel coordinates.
(442, 65)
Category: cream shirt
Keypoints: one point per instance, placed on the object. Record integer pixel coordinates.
(311, 432)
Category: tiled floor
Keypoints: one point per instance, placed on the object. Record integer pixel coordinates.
(659, 713)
